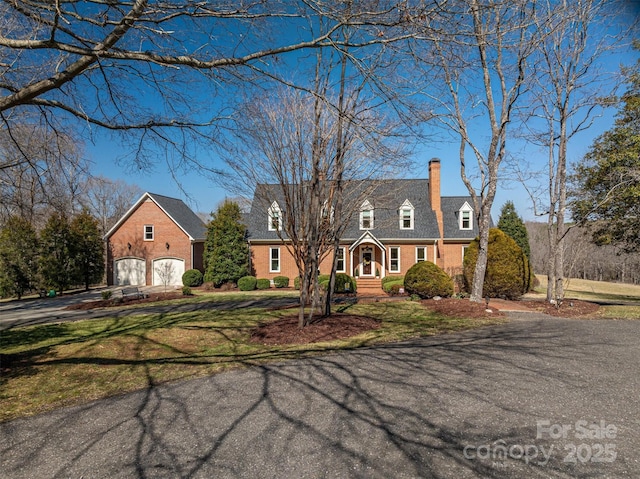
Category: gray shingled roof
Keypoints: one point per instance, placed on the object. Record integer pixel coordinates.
(386, 198)
(184, 217)
(450, 217)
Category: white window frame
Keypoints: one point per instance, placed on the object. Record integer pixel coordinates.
(275, 213)
(341, 257)
(464, 250)
(424, 256)
(466, 209)
(272, 259)
(391, 260)
(406, 207)
(366, 207)
(152, 232)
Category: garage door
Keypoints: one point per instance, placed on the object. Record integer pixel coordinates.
(168, 272)
(130, 271)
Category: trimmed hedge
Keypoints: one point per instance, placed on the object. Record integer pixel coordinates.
(281, 282)
(263, 283)
(192, 278)
(392, 279)
(427, 280)
(247, 283)
(387, 286)
(342, 280)
(508, 275)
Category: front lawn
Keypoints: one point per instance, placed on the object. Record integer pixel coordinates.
(53, 365)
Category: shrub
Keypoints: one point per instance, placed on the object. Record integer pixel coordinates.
(106, 294)
(247, 283)
(281, 282)
(508, 275)
(387, 286)
(394, 289)
(427, 280)
(296, 282)
(392, 279)
(344, 284)
(192, 278)
(263, 283)
(186, 291)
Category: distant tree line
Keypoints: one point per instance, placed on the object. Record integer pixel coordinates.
(584, 259)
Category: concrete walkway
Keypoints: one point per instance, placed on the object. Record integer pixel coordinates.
(531, 398)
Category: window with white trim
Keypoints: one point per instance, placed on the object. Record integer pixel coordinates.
(275, 217)
(465, 216)
(148, 232)
(421, 253)
(340, 263)
(274, 260)
(366, 216)
(394, 259)
(464, 252)
(406, 216)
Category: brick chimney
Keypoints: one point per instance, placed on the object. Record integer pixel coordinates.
(434, 192)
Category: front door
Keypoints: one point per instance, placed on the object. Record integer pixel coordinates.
(367, 261)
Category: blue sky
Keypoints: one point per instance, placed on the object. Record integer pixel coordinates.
(205, 195)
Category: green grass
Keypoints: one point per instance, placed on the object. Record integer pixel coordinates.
(48, 366)
(594, 290)
(627, 296)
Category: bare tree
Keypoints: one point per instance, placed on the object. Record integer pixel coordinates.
(39, 171)
(108, 200)
(478, 52)
(566, 94)
(95, 62)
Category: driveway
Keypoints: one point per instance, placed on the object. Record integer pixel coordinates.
(530, 398)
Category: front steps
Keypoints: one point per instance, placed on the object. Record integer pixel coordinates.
(369, 287)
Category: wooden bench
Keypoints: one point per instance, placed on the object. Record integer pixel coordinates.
(133, 292)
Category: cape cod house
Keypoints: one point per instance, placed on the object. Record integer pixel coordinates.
(399, 223)
(154, 243)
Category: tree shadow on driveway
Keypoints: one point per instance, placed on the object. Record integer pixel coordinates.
(425, 408)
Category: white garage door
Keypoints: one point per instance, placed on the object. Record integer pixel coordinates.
(130, 271)
(168, 272)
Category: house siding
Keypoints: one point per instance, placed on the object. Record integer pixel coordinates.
(131, 232)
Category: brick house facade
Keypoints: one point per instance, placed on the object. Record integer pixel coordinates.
(395, 225)
(154, 243)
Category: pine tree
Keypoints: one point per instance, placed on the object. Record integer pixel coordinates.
(56, 252)
(18, 257)
(88, 249)
(607, 180)
(513, 226)
(226, 255)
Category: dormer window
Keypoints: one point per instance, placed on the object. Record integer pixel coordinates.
(275, 217)
(406, 216)
(465, 216)
(366, 216)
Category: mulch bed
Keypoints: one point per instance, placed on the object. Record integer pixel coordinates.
(336, 326)
(461, 308)
(569, 308)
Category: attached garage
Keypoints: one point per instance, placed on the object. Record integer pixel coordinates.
(168, 272)
(129, 271)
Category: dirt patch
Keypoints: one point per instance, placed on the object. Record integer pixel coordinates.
(336, 326)
(119, 301)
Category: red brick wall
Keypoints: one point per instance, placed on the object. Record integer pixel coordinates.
(132, 232)
(260, 260)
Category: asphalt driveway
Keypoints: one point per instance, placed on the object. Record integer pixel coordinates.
(531, 398)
